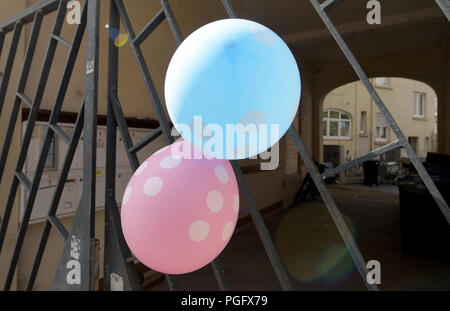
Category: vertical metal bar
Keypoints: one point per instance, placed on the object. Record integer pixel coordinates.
(116, 249)
(57, 195)
(10, 62)
(172, 21)
(45, 148)
(91, 99)
(332, 207)
(32, 119)
(20, 89)
(261, 228)
(382, 107)
(78, 272)
(145, 73)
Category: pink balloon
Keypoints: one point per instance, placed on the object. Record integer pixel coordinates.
(178, 213)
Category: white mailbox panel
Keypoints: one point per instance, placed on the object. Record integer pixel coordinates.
(70, 198)
(67, 204)
(73, 188)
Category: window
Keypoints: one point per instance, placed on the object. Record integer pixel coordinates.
(363, 125)
(336, 124)
(413, 142)
(381, 127)
(419, 105)
(383, 82)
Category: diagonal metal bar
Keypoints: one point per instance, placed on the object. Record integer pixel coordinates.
(9, 63)
(332, 208)
(146, 140)
(58, 226)
(228, 8)
(57, 196)
(330, 172)
(172, 22)
(261, 228)
(59, 131)
(150, 27)
(25, 99)
(123, 128)
(31, 120)
(444, 5)
(61, 40)
(219, 273)
(329, 5)
(382, 107)
(23, 179)
(45, 149)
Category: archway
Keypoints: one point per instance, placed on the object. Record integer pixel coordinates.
(353, 126)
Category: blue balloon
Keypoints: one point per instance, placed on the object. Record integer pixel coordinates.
(233, 88)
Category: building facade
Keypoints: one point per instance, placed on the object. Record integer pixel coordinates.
(353, 125)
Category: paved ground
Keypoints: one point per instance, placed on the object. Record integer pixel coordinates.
(314, 253)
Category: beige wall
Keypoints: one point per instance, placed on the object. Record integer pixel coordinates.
(353, 98)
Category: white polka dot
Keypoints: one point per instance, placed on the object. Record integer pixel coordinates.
(214, 199)
(170, 162)
(140, 169)
(236, 203)
(153, 186)
(126, 195)
(199, 230)
(227, 231)
(221, 174)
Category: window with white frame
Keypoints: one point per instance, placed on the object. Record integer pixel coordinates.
(382, 82)
(336, 124)
(419, 104)
(381, 128)
(363, 125)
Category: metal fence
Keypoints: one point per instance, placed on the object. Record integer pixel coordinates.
(80, 252)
